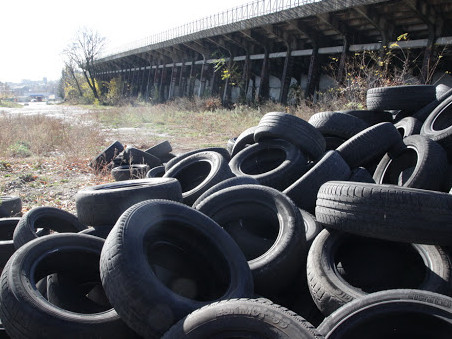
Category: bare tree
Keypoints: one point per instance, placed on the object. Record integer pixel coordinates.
(83, 51)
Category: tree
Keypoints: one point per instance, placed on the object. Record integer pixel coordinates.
(82, 52)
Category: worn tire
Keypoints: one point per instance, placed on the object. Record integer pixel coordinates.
(392, 314)
(342, 267)
(408, 126)
(370, 144)
(425, 159)
(22, 303)
(265, 213)
(7, 226)
(106, 156)
(280, 125)
(134, 156)
(337, 124)
(304, 190)
(245, 138)
(243, 318)
(276, 163)
(154, 275)
(49, 218)
(198, 172)
(10, 206)
(222, 151)
(370, 117)
(103, 204)
(386, 212)
(156, 172)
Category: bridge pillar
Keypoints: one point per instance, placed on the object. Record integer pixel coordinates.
(202, 79)
(245, 80)
(214, 83)
(342, 60)
(264, 86)
(428, 53)
(182, 80)
(172, 86)
(147, 92)
(285, 77)
(191, 80)
(313, 73)
(227, 88)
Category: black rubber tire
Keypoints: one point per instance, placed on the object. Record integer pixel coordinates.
(386, 212)
(103, 204)
(222, 151)
(409, 98)
(134, 156)
(360, 174)
(337, 124)
(408, 126)
(280, 125)
(332, 142)
(392, 314)
(342, 267)
(7, 226)
(49, 218)
(243, 318)
(154, 275)
(98, 231)
(156, 172)
(22, 303)
(265, 213)
(425, 159)
(245, 138)
(425, 111)
(106, 156)
(304, 190)
(10, 206)
(370, 117)
(370, 145)
(129, 172)
(161, 149)
(275, 163)
(438, 125)
(441, 90)
(230, 144)
(198, 172)
(234, 181)
(311, 226)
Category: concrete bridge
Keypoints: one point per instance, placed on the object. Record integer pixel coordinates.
(270, 45)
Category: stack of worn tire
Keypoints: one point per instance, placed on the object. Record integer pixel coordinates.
(336, 227)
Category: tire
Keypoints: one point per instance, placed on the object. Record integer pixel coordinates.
(245, 138)
(99, 231)
(106, 156)
(408, 126)
(425, 159)
(275, 163)
(331, 143)
(311, 226)
(425, 111)
(279, 125)
(160, 149)
(222, 151)
(134, 156)
(49, 218)
(156, 172)
(7, 226)
(198, 172)
(337, 124)
(386, 212)
(22, 303)
(243, 318)
(342, 267)
(10, 206)
(390, 314)
(155, 275)
(231, 182)
(361, 174)
(438, 125)
(408, 98)
(370, 117)
(304, 190)
(230, 144)
(129, 172)
(271, 218)
(370, 145)
(103, 204)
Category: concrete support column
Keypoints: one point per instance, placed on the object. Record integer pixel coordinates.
(182, 80)
(214, 83)
(245, 81)
(227, 86)
(313, 73)
(162, 85)
(155, 87)
(202, 79)
(342, 60)
(172, 86)
(191, 80)
(264, 86)
(285, 77)
(147, 90)
(428, 54)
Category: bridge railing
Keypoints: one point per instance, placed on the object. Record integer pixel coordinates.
(246, 11)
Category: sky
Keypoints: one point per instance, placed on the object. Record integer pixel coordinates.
(33, 33)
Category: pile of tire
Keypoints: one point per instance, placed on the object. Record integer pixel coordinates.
(336, 227)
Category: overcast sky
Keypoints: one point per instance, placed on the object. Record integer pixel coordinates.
(33, 33)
